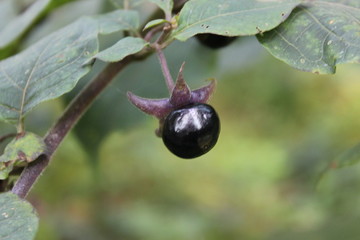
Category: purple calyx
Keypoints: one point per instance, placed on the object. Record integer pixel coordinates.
(180, 95)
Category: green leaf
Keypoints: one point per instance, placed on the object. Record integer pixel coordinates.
(46, 70)
(126, 4)
(231, 17)
(122, 49)
(118, 20)
(54, 65)
(17, 217)
(348, 158)
(154, 23)
(317, 36)
(22, 149)
(165, 5)
(13, 31)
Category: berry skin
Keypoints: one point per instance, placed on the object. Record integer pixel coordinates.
(214, 41)
(191, 131)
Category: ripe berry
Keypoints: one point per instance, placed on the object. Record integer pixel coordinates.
(191, 131)
(214, 41)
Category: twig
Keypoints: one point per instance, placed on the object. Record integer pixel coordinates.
(66, 122)
(72, 114)
(165, 69)
(152, 32)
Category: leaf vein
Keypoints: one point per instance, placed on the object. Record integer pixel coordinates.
(12, 81)
(352, 16)
(337, 4)
(11, 108)
(224, 15)
(29, 80)
(290, 44)
(58, 69)
(323, 26)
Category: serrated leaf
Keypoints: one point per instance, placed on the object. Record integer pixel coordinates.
(118, 20)
(317, 36)
(165, 5)
(23, 149)
(17, 217)
(12, 31)
(121, 49)
(46, 70)
(154, 23)
(231, 17)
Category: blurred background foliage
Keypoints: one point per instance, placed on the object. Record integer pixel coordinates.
(281, 128)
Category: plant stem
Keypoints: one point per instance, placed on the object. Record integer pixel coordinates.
(165, 69)
(67, 121)
(71, 116)
(152, 32)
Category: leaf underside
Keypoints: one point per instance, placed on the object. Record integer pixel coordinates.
(121, 49)
(231, 18)
(118, 20)
(17, 217)
(317, 36)
(47, 69)
(54, 65)
(126, 4)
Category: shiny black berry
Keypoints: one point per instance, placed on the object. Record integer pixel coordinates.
(214, 41)
(191, 131)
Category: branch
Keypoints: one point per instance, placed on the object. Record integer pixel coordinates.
(66, 122)
(71, 116)
(165, 69)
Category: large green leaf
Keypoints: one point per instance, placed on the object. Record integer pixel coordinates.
(54, 65)
(19, 25)
(18, 220)
(23, 149)
(317, 36)
(126, 4)
(46, 70)
(231, 17)
(121, 49)
(118, 20)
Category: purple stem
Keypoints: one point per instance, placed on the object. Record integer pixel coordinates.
(70, 117)
(165, 69)
(66, 122)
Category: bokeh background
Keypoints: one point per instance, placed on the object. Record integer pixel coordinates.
(272, 174)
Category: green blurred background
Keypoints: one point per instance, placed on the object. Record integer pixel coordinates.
(281, 128)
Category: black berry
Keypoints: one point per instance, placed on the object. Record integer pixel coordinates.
(191, 131)
(214, 41)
